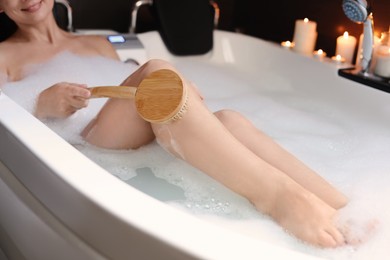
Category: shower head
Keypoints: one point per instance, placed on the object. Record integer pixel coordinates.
(356, 10)
(359, 12)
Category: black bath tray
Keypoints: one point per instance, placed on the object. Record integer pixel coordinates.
(366, 79)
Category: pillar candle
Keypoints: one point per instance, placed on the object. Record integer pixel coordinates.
(345, 47)
(382, 64)
(305, 36)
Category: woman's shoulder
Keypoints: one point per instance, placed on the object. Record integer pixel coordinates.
(6, 52)
(6, 47)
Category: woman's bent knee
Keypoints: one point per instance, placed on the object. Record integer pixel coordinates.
(146, 69)
(155, 64)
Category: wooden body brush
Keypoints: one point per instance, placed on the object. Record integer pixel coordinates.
(160, 98)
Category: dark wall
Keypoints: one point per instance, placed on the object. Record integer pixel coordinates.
(275, 20)
(270, 20)
(102, 14)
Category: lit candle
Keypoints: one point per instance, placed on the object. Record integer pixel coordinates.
(345, 47)
(305, 36)
(382, 65)
(338, 59)
(287, 44)
(320, 54)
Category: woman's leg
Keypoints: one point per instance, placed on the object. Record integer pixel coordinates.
(267, 149)
(204, 142)
(118, 125)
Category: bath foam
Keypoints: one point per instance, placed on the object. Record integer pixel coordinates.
(330, 138)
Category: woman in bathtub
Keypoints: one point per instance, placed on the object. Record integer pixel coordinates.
(224, 144)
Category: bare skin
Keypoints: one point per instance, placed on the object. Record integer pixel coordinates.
(254, 165)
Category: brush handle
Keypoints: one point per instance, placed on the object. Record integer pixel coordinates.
(113, 92)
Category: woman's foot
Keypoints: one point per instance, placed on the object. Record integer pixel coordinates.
(306, 216)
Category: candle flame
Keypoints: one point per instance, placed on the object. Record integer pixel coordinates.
(306, 20)
(346, 35)
(338, 58)
(320, 51)
(287, 44)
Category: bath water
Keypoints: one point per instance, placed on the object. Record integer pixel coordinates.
(348, 152)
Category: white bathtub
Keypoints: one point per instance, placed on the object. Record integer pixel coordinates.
(57, 204)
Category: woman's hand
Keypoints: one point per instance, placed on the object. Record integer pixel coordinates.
(61, 100)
